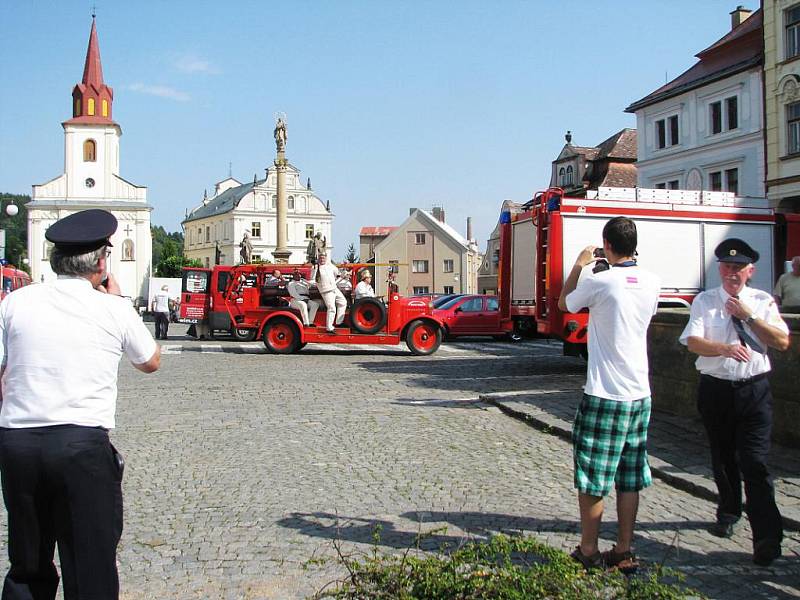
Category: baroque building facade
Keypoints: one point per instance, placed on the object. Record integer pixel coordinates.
(214, 229)
(91, 180)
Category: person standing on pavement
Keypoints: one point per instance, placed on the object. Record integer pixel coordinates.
(787, 289)
(160, 307)
(327, 276)
(610, 431)
(730, 329)
(298, 290)
(60, 345)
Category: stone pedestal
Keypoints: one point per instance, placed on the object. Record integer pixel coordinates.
(281, 253)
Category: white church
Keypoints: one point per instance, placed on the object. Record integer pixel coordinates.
(91, 180)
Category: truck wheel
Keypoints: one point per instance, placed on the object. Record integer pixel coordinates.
(368, 315)
(281, 336)
(241, 334)
(423, 337)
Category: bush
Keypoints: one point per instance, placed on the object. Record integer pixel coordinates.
(512, 568)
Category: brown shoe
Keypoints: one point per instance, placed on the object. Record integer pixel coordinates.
(625, 562)
(595, 561)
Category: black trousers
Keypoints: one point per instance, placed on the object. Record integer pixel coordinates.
(738, 420)
(61, 485)
(162, 325)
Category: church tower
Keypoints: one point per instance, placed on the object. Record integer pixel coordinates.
(91, 180)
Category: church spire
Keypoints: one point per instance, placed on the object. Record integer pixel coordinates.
(92, 98)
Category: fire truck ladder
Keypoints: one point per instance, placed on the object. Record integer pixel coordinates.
(542, 247)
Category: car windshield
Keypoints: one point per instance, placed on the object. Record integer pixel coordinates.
(450, 303)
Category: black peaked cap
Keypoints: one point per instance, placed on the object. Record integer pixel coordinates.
(83, 231)
(734, 250)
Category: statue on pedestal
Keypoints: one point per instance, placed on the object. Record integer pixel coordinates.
(280, 134)
(246, 248)
(217, 253)
(316, 245)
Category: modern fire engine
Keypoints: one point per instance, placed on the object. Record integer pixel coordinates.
(244, 301)
(677, 232)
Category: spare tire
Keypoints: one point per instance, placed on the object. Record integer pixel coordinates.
(368, 315)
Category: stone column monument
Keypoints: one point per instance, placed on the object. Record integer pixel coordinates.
(281, 253)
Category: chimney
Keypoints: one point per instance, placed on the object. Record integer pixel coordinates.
(438, 213)
(739, 16)
(469, 229)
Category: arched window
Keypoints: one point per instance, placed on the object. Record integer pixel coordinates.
(89, 151)
(274, 201)
(105, 107)
(90, 107)
(46, 249)
(561, 178)
(127, 250)
(76, 112)
(291, 203)
(569, 176)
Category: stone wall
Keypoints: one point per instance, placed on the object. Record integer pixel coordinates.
(674, 378)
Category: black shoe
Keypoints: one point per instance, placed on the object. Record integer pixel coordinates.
(721, 529)
(766, 552)
(331, 331)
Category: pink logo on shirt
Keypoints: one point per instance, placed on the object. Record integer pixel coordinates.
(631, 280)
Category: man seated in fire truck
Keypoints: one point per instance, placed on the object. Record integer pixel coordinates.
(298, 290)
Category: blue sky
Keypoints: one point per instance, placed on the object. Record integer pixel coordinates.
(390, 105)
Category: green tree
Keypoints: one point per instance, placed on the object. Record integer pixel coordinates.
(165, 244)
(351, 256)
(170, 266)
(16, 229)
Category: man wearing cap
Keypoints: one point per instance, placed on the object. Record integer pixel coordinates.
(730, 329)
(298, 290)
(161, 306)
(60, 346)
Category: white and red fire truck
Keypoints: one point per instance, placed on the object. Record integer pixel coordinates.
(678, 231)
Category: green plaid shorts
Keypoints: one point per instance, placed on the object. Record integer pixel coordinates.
(609, 442)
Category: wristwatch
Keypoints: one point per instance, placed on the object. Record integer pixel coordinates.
(751, 319)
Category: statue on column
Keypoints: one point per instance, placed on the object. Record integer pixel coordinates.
(316, 246)
(217, 254)
(280, 134)
(246, 248)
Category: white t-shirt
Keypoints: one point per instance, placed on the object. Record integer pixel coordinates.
(364, 290)
(709, 319)
(298, 289)
(326, 277)
(161, 302)
(61, 344)
(621, 302)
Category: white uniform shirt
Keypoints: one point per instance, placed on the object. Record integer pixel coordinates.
(298, 289)
(621, 302)
(60, 344)
(161, 302)
(326, 276)
(364, 290)
(710, 320)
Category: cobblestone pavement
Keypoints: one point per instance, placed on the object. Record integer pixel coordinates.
(242, 466)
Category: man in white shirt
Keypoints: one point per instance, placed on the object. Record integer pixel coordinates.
(327, 276)
(60, 345)
(730, 328)
(610, 431)
(364, 288)
(787, 288)
(160, 307)
(298, 290)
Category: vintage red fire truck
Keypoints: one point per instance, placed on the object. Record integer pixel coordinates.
(678, 231)
(243, 301)
(12, 279)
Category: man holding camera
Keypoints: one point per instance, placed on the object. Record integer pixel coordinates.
(610, 431)
(60, 346)
(730, 329)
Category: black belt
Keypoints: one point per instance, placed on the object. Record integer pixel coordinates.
(736, 382)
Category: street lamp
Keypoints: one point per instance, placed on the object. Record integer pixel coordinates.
(11, 210)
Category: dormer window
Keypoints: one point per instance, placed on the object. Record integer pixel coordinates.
(89, 151)
(562, 178)
(105, 108)
(90, 107)
(568, 180)
(76, 111)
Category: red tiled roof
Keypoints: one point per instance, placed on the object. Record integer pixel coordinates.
(620, 175)
(376, 231)
(736, 51)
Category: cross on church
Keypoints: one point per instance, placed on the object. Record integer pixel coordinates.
(128, 230)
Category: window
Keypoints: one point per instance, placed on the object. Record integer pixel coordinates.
(792, 20)
(199, 235)
(673, 130)
(89, 151)
(105, 108)
(472, 305)
(562, 178)
(421, 289)
(208, 235)
(190, 237)
(207, 262)
(667, 132)
(48, 247)
(309, 231)
(673, 185)
(715, 181)
(715, 113)
(447, 267)
(274, 201)
(76, 112)
(394, 266)
(419, 238)
(732, 181)
(256, 258)
(661, 186)
(448, 289)
(290, 202)
(255, 228)
(492, 304)
(419, 266)
(793, 127)
(127, 250)
(90, 107)
(732, 108)
(569, 176)
(661, 134)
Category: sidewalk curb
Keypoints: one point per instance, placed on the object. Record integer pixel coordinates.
(657, 471)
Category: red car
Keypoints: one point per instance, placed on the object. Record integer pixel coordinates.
(474, 314)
